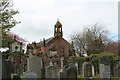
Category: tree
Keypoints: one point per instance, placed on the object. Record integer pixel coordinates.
(6, 21)
(91, 40)
(112, 47)
(4, 4)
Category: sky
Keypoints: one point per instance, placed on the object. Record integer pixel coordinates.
(38, 17)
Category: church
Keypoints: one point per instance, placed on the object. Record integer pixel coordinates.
(53, 48)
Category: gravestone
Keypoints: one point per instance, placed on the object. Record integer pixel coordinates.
(116, 70)
(87, 69)
(30, 76)
(62, 62)
(71, 71)
(34, 64)
(16, 77)
(63, 73)
(51, 72)
(0, 65)
(104, 67)
(42, 73)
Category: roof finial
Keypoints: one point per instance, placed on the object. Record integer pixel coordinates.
(57, 19)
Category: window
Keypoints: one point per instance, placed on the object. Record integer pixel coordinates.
(63, 50)
(53, 53)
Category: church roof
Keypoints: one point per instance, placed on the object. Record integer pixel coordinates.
(58, 24)
(41, 43)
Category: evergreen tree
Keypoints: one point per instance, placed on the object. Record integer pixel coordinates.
(6, 22)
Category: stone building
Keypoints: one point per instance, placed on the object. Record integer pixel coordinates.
(53, 48)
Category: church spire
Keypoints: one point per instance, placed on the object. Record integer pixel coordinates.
(58, 29)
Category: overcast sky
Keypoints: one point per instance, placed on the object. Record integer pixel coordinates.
(38, 17)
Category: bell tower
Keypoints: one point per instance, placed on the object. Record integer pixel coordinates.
(58, 29)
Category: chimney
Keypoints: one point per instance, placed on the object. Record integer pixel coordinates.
(44, 43)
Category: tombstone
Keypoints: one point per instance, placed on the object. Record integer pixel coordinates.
(0, 65)
(51, 72)
(71, 72)
(42, 73)
(87, 70)
(30, 76)
(6, 70)
(63, 73)
(34, 64)
(62, 63)
(116, 70)
(104, 67)
(16, 77)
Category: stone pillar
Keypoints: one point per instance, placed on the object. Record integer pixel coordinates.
(93, 71)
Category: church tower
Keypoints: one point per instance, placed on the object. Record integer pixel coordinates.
(58, 29)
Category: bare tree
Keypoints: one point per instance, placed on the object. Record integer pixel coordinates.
(91, 40)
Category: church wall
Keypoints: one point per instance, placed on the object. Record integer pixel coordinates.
(63, 47)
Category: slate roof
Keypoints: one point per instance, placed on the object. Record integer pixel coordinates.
(41, 43)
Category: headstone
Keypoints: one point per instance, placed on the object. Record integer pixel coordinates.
(6, 70)
(16, 77)
(104, 67)
(87, 69)
(30, 76)
(0, 65)
(51, 72)
(34, 64)
(42, 73)
(71, 71)
(116, 69)
(62, 63)
(63, 73)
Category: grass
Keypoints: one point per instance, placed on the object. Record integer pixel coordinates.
(80, 76)
(112, 78)
(115, 78)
